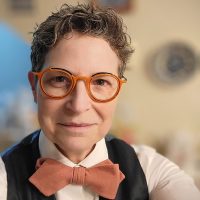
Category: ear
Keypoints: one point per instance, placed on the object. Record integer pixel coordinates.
(32, 83)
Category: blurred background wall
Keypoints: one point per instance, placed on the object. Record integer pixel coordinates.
(160, 105)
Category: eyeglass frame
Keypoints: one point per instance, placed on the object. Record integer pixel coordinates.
(86, 80)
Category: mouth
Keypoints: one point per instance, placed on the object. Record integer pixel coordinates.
(71, 126)
(76, 124)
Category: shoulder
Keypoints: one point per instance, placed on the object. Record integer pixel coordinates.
(2, 170)
(155, 166)
(165, 178)
(18, 147)
(145, 152)
(3, 180)
(147, 156)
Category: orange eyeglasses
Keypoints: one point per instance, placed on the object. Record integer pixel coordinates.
(57, 83)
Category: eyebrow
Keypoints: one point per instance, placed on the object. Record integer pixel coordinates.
(75, 75)
(102, 73)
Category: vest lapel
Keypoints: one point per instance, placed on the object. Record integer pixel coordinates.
(134, 186)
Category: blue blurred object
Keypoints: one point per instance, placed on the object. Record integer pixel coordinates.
(14, 60)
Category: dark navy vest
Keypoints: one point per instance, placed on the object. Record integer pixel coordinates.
(20, 165)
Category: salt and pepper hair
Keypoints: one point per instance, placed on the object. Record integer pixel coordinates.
(85, 19)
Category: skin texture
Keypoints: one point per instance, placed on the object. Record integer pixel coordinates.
(76, 123)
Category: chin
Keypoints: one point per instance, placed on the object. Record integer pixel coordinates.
(75, 144)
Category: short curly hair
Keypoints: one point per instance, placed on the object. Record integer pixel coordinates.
(84, 19)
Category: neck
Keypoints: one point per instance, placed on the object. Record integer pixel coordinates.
(75, 157)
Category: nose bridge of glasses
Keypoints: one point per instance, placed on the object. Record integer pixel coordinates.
(85, 79)
(82, 78)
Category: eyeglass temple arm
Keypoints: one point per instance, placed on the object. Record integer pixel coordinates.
(123, 79)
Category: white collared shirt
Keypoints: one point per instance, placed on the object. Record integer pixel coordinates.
(165, 180)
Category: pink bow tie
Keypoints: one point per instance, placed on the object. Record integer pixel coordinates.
(51, 176)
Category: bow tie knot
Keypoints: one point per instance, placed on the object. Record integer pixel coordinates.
(78, 176)
(51, 176)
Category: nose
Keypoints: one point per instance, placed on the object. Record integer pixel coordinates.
(79, 100)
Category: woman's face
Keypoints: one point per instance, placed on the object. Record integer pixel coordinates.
(76, 122)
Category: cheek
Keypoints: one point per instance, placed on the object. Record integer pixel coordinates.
(45, 104)
(107, 111)
(110, 108)
(48, 109)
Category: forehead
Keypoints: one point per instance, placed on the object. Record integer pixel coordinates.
(82, 54)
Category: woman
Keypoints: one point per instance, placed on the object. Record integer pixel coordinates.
(79, 55)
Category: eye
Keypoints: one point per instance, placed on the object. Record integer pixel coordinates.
(60, 81)
(100, 82)
(103, 81)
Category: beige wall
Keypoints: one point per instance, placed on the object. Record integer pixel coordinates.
(25, 22)
(157, 110)
(147, 108)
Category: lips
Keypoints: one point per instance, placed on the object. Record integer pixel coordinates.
(72, 124)
(71, 127)
(76, 127)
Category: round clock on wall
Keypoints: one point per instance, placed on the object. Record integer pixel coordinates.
(173, 63)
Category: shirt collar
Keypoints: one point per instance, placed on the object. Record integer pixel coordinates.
(49, 150)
